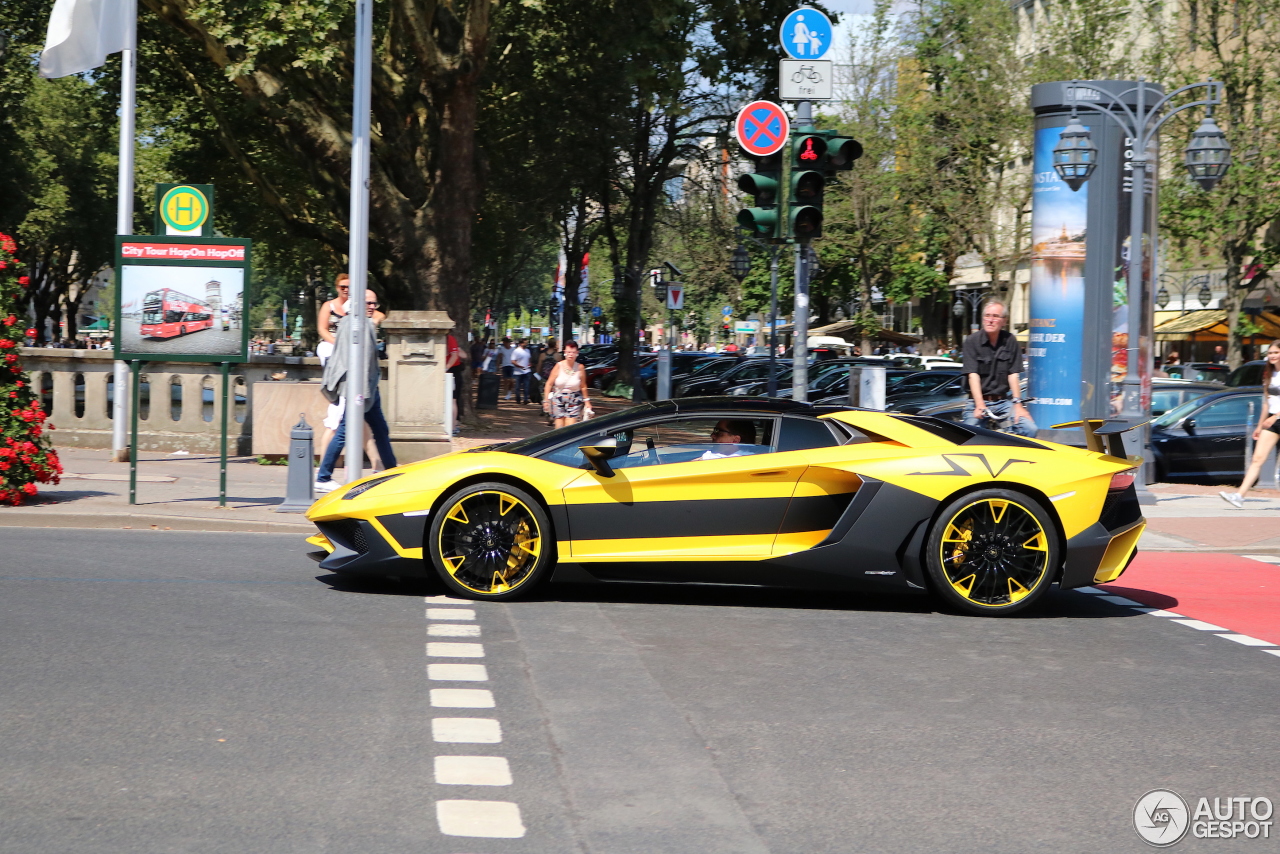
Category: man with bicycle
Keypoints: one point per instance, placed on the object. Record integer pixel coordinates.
(992, 360)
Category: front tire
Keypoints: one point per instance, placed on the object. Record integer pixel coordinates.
(992, 552)
(490, 541)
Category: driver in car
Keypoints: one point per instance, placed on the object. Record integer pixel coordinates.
(728, 435)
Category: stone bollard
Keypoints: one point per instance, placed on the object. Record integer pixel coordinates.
(299, 497)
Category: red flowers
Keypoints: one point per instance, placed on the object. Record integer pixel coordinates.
(5, 344)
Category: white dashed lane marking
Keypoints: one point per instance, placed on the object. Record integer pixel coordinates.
(453, 630)
(461, 698)
(451, 614)
(438, 649)
(1199, 625)
(466, 730)
(484, 819)
(476, 819)
(457, 673)
(472, 771)
(1246, 640)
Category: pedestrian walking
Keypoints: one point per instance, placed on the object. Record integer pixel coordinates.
(1267, 433)
(522, 367)
(334, 388)
(566, 397)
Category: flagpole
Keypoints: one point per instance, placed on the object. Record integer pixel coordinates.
(124, 215)
(358, 252)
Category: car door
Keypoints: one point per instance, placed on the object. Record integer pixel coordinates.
(1219, 431)
(667, 501)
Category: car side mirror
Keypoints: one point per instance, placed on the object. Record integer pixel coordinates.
(1190, 426)
(599, 455)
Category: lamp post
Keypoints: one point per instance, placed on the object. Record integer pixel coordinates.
(740, 266)
(972, 298)
(1207, 157)
(1183, 287)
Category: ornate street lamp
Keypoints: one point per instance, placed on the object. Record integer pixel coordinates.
(740, 263)
(1208, 154)
(1162, 297)
(1206, 294)
(1075, 156)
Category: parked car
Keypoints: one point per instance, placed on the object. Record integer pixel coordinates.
(1248, 374)
(745, 371)
(1169, 394)
(1199, 372)
(925, 388)
(1204, 438)
(926, 363)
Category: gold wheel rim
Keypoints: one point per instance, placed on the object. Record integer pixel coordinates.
(489, 542)
(994, 552)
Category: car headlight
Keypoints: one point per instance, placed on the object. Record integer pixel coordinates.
(368, 485)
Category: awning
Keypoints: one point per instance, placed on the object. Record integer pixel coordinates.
(839, 328)
(1211, 325)
(101, 324)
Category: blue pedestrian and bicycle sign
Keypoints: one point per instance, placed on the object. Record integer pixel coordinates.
(762, 128)
(806, 34)
(727, 311)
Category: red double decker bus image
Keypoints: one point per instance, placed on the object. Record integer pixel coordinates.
(167, 313)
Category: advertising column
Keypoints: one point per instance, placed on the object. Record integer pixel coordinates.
(1079, 262)
(1059, 227)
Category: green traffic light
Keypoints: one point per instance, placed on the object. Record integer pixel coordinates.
(763, 186)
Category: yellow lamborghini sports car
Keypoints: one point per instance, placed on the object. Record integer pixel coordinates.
(755, 492)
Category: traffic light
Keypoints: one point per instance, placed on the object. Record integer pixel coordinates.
(808, 157)
(762, 185)
(841, 152)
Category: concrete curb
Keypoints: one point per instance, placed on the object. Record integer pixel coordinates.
(156, 521)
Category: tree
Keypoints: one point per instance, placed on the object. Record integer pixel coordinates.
(962, 125)
(1238, 43)
(290, 66)
(61, 199)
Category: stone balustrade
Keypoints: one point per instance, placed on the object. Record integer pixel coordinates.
(181, 402)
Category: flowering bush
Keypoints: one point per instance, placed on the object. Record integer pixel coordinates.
(26, 454)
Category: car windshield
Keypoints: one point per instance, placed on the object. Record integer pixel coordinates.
(1173, 416)
(921, 382)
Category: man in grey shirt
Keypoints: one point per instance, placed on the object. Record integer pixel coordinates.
(992, 359)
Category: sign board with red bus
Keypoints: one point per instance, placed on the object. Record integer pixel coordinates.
(182, 299)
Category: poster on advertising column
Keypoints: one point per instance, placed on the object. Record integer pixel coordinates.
(182, 299)
(1059, 226)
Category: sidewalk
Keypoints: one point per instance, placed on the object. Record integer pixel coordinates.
(180, 493)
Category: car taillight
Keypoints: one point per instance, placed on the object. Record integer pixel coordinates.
(1122, 479)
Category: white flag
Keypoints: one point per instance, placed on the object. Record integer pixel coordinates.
(83, 32)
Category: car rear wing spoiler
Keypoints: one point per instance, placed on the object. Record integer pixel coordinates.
(1105, 435)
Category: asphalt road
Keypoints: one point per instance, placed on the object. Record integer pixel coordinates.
(182, 692)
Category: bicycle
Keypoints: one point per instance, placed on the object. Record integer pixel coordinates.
(813, 76)
(1005, 423)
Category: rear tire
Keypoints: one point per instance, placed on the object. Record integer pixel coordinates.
(490, 541)
(992, 552)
